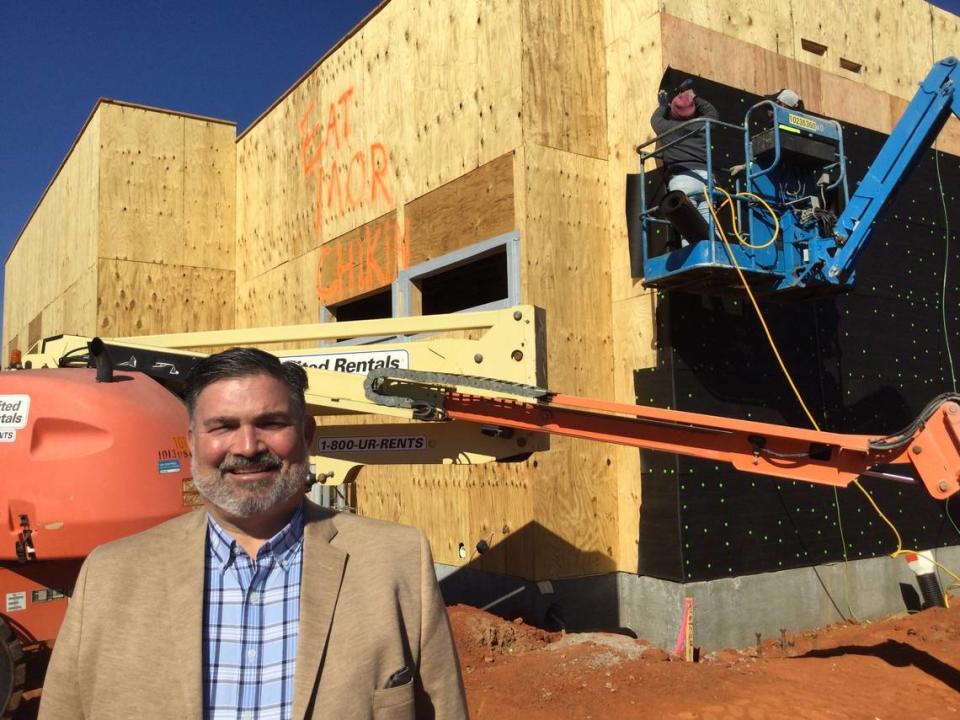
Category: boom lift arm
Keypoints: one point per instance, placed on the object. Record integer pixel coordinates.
(508, 418)
(919, 125)
(931, 444)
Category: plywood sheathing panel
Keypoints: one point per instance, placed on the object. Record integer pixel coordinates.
(209, 194)
(949, 138)
(566, 258)
(138, 298)
(563, 69)
(624, 18)
(167, 188)
(440, 82)
(499, 97)
(474, 207)
(846, 97)
(946, 32)
(695, 49)
(58, 244)
(892, 41)
(361, 261)
(565, 254)
(852, 102)
(285, 295)
(75, 311)
(271, 225)
(631, 99)
(634, 59)
(35, 330)
(141, 175)
(346, 113)
(456, 505)
(763, 24)
(393, 113)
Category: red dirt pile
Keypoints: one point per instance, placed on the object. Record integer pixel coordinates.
(907, 666)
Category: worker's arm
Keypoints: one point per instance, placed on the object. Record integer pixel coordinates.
(61, 697)
(706, 108)
(659, 121)
(439, 687)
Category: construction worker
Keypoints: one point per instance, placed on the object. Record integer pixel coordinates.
(685, 162)
(787, 98)
(263, 604)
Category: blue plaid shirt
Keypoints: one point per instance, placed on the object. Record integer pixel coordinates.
(252, 617)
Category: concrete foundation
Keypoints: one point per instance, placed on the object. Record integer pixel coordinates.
(727, 613)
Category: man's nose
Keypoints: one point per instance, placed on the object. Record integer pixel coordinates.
(247, 441)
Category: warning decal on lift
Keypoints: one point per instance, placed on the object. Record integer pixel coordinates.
(169, 466)
(14, 413)
(16, 601)
(46, 595)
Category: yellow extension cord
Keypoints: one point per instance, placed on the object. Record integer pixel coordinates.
(773, 346)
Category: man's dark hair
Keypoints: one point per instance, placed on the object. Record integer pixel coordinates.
(244, 362)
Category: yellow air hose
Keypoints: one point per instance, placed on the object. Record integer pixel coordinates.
(773, 346)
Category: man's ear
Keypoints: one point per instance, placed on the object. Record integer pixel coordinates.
(190, 439)
(309, 429)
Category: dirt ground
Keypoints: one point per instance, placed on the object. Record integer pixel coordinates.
(902, 667)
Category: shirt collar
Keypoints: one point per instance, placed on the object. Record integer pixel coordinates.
(281, 545)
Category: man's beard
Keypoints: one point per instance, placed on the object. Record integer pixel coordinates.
(252, 498)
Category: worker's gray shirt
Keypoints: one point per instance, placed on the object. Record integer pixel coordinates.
(690, 152)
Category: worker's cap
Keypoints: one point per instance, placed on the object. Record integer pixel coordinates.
(788, 98)
(682, 106)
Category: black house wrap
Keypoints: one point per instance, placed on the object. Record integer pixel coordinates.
(865, 362)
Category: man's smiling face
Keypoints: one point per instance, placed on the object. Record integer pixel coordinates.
(249, 443)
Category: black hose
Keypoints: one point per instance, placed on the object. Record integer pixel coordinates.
(102, 358)
(905, 436)
(684, 216)
(930, 588)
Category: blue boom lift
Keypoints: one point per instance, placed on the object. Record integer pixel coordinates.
(787, 232)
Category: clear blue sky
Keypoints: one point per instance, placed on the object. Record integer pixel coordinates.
(227, 60)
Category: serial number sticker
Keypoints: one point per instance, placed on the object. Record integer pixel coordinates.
(802, 121)
(372, 444)
(169, 466)
(14, 411)
(16, 601)
(8, 435)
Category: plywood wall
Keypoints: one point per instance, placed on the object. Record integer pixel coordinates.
(134, 235)
(564, 98)
(893, 43)
(56, 250)
(381, 122)
(166, 231)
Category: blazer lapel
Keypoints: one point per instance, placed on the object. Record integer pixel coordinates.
(323, 567)
(185, 576)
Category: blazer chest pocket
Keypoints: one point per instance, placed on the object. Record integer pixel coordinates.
(396, 703)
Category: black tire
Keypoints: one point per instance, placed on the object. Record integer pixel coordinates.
(13, 671)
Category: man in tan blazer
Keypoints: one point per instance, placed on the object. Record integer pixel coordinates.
(373, 638)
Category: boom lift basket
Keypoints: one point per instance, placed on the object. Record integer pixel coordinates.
(795, 161)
